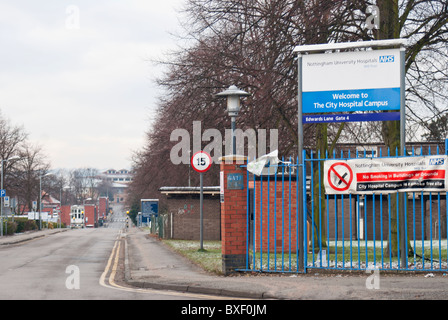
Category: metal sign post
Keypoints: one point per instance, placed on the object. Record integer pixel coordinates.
(340, 91)
(201, 161)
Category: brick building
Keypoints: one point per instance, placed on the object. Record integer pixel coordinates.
(91, 215)
(65, 215)
(103, 207)
(119, 181)
(182, 214)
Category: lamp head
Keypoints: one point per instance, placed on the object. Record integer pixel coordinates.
(233, 95)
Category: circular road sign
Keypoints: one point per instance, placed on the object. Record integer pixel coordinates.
(340, 176)
(201, 161)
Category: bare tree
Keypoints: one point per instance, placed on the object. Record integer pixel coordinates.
(26, 175)
(250, 43)
(11, 139)
(83, 184)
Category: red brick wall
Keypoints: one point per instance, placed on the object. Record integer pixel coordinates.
(184, 213)
(233, 213)
(276, 219)
(89, 211)
(103, 206)
(65, 215)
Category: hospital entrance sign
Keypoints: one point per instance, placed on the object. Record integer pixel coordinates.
(351, 81)
(386, 175)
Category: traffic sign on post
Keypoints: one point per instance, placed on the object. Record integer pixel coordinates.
(201, 161)
(2, 193)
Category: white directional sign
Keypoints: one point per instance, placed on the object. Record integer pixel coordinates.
(351, 81)
(386, 175)
(6, 202)
(201, 161)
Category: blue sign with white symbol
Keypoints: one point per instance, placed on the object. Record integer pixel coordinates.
(352, 100)
(2, 193)
(150, 207)
(235, 181)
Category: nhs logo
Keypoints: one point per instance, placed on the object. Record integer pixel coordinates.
(385, 59)
(436, 161)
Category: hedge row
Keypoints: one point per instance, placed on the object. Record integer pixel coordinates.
(20, 225)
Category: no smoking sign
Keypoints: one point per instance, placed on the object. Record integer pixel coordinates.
(339, 177)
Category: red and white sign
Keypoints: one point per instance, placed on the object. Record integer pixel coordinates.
(201, 161)
(340, 176)
(386, 175)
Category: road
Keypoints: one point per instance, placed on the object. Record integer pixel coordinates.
(75, 264)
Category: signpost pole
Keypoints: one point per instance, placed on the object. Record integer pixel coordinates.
(1, 202)
(201, 211)
(201, 162)
(402, 100)
(403, 197)
(300, 160)
(333, 102)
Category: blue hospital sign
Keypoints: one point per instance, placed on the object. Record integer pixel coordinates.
(351, 81)
(149, 207)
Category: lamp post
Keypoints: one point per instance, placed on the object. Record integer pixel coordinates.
(233, 95)
(1, 203)
(40, 197)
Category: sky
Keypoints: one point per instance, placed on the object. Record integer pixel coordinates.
(78, 75)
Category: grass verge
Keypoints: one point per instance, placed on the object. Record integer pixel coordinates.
(209, 258)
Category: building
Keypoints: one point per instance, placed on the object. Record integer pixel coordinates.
(49, 202)
(182, 217)
(119, 181)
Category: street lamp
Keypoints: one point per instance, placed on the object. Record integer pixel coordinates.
(233, 95)
(1, 202)
(40, 197)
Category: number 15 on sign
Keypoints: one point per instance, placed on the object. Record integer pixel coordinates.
(201, 161)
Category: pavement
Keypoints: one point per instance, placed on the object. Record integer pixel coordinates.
(152, 264)
(28, 236)
(149, 263)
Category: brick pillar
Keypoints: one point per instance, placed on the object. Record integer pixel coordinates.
(233, 214)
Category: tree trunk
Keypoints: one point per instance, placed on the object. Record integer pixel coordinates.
(319, 204)
(390, 29)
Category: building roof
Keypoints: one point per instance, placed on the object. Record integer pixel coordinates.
(190, 190)
(47, 199)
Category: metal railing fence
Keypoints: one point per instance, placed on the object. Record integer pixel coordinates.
(343, 232)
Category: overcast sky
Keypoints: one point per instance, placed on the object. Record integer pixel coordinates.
(77, 74)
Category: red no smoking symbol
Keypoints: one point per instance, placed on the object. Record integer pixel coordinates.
(340, 176)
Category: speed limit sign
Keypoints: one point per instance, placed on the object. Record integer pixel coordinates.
(201, 161)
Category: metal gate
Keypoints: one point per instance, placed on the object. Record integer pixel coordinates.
(340, 232)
